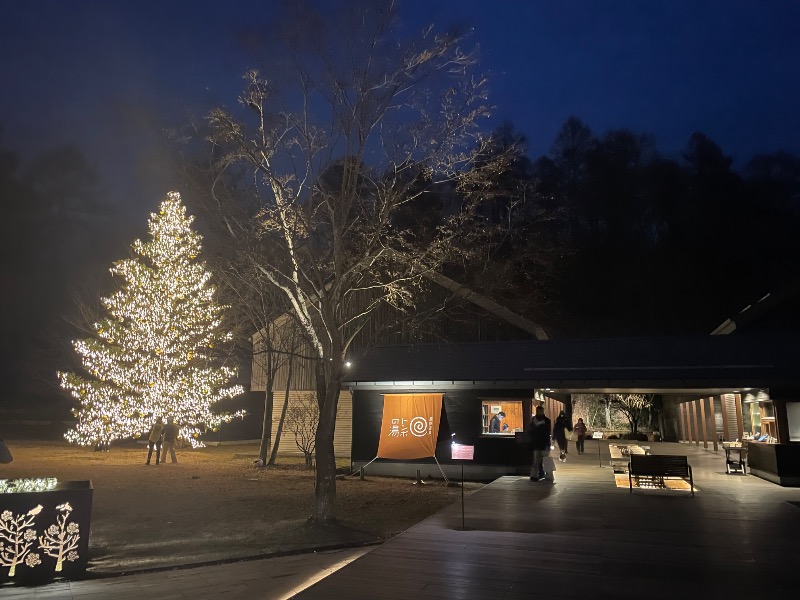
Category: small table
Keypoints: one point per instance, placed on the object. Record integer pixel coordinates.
(735, 457)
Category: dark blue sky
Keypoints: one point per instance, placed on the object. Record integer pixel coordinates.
(98, 73)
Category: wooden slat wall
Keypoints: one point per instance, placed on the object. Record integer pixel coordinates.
(344, 425)
(728, 402)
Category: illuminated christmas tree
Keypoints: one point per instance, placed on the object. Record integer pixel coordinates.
(153, 353)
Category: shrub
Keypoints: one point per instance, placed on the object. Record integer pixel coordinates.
(638, 436)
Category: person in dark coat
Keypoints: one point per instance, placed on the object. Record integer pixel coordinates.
(171, 431)
(580, 432)
(5, 453)
(560, 428)
(154, 440)
(539, 434)
(496, 424)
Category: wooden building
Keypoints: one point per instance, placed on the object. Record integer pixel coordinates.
(702, 380)
(447, 312)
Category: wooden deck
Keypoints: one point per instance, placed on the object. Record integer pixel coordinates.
(583, 537)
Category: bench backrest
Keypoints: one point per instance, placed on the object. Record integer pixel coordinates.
(659, 464)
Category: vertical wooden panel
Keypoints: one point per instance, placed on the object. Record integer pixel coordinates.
(703, 421)
(739, 422)
(342, 438)
(681, 423)
(688, 412)
(713, 415)
(725, 424)
(688, 416)
(781, 420)
(694, 424)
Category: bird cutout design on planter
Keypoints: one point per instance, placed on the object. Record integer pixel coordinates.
(61, 539)
(17, 536)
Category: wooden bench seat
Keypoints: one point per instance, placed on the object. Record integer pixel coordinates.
(620, 455)
(659, 466)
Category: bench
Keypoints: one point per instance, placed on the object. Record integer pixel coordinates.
(620, 453)
(659, 466)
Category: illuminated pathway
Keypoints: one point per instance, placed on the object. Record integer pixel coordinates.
(739, 537)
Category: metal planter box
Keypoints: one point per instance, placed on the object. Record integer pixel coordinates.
(44, 529)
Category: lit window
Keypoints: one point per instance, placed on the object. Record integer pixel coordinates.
(501, 416)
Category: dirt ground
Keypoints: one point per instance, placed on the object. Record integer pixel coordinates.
(215, 504)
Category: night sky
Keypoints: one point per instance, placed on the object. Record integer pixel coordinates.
(103, 74)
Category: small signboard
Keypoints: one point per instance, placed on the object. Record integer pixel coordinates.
(462, 452)
(597, 435)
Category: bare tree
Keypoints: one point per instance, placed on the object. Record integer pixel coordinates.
(364, 126)
(633, 406)
(303, 420)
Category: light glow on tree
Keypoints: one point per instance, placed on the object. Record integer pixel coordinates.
(154, 352)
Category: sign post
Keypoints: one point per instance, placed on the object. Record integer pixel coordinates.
(462, 453)
(598, 435)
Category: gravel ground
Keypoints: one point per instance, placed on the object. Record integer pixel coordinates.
(215, 504)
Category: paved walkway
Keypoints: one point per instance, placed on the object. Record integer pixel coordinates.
(582, 537)
(267, 579)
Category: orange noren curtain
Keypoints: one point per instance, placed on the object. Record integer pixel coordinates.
(410, 425)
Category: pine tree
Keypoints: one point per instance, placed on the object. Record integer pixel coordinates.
(154, 351)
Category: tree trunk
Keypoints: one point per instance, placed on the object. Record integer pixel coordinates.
(266, 428)
(633, 418)
(607, 406)
(328, 384)
(274, 456)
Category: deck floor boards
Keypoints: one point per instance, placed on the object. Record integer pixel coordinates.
(584, 536)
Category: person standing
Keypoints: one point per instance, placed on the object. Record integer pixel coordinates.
(154, 439)
(170, 439)
(5, 453)
(496, 424)
(539, 434)
(560, 434)
(580, 432)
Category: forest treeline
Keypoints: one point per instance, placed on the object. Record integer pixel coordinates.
(606, 236)
(602, 236)
(58, 235)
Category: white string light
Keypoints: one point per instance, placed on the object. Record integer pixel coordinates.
(152, 354)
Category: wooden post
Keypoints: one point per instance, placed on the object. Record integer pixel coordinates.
(695, 424)
(739, 422)
(781, 421)
(714, 436)
(703, 421)
(689, 422)
(687, 435)
(724, 410)
(681, 423)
